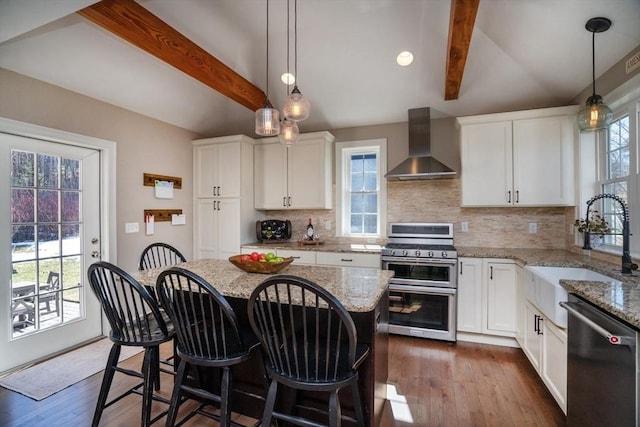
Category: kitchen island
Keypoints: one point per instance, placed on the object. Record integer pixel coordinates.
(363, 292)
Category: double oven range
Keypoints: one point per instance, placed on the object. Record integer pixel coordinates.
(423, 291)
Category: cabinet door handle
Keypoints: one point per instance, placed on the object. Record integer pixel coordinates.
(461, 268)
(289, 201)
(346, 260)
(284, 201)
(218, 189)
(538, 320)
(491, 272)
(509, 196)
(295, 257)
(517, 196)
(213, 190)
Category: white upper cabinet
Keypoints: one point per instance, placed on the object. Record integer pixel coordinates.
(524, 158)
(218, 166)
(298, 177)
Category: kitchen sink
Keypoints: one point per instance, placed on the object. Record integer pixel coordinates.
(543, 289)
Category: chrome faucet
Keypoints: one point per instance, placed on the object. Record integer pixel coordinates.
(627, 264)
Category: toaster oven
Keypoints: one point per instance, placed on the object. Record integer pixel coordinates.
(273, 230)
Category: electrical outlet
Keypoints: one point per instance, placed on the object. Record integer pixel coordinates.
(533, 227)
(464, 226)
(327, 225)
(131, 227)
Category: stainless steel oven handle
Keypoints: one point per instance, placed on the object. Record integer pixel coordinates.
(422, 289)
(613, 339)
(420, 261)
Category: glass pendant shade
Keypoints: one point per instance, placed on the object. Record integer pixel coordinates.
(297, 107)
(595, 115)
(267, 121)
(289, 133)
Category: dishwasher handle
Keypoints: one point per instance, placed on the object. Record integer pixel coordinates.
(613, 339)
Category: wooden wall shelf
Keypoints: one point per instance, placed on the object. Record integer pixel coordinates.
(161, 215)
(149, 180)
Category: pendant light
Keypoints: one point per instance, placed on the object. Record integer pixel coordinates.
(595, 115)
(289, 131)
(267, 118)
(297, 107)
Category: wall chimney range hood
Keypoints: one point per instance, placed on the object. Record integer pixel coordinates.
(420, 164)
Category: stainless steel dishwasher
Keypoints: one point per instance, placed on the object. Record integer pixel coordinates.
(602, 368)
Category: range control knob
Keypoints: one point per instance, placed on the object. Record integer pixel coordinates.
(417, 254)
(430, 254)
(444, 254)
(392, 252)
(404, 252)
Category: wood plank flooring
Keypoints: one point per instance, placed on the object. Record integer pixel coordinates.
(431, 383)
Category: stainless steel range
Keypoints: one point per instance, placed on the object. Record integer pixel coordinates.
(423, 291)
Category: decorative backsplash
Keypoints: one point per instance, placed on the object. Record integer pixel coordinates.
(439, 201)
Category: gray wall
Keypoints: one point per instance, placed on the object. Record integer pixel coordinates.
(143, 145)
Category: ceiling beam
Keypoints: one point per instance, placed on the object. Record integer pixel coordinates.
(135, 24)
(461, 21)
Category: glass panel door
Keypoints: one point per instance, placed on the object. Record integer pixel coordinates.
(50, 205)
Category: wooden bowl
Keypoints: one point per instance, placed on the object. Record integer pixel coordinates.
(260, 267)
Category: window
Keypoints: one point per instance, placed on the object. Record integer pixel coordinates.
(615, 176)
(360, 188)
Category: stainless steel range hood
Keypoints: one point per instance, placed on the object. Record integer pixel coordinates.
(420, 164)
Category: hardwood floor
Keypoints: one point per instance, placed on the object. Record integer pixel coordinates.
(431, 383)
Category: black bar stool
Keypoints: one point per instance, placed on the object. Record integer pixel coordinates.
(309, 342)
(135, 320)
(208, 336)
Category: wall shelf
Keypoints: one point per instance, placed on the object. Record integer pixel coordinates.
(149, 180)
(162, 215)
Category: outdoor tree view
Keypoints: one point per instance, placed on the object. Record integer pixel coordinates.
(45, 244)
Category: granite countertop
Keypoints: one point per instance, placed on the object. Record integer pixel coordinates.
(622, 299)
(366, 248)
(358, 289)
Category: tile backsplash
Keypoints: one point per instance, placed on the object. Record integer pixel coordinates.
(439, 201)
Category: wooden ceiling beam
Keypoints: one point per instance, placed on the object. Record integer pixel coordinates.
(135, 24)
(461, 21)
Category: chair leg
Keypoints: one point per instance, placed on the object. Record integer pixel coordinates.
(156, 363)
(107, 378)
(225, 397)
(334, 409)
(269, 404)
(149, 372)
(357, 403)
(175, 395)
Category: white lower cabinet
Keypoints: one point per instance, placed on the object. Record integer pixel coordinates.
(299, 257)
(217, 230)
(486, 297)
(348, 259)
(545, 345)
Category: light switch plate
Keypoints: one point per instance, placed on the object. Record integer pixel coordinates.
(464, 226)
(533, 227)
(131, 227)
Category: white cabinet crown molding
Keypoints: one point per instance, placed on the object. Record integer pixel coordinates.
(518, 115)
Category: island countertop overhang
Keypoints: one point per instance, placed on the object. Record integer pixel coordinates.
(358, 289)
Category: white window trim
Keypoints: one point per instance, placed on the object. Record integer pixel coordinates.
(343, 150)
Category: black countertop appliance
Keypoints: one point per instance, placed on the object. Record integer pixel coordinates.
(273, 230)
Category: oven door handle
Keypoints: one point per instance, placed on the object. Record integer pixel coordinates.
(419, 261)
(422, 289)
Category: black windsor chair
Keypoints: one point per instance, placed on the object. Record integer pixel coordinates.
(309, 342)
(158, 255)
(208, 336)
(135, 320)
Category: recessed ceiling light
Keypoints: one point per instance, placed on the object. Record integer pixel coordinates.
(288, 79)
(404, 58)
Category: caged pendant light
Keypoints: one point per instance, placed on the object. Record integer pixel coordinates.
(267, 117)
(595, 115)
(297, 107)
(289, 131)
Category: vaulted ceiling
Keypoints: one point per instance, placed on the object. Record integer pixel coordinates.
(522, 54)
